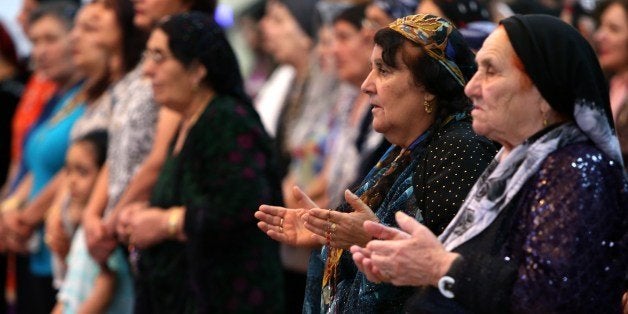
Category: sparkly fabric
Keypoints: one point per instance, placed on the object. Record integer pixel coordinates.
(560, 247)
(432, 33)
(221, 175)
(354, 293)
(500, 184)
(455, 155)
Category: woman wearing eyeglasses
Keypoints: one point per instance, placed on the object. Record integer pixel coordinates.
(199, 248)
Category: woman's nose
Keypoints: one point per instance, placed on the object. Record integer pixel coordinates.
(472, 87)
(367, 86)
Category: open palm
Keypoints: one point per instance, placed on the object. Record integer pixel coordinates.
(286, 224)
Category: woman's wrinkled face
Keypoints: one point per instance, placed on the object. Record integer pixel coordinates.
(95, 36)
(52, 49)
(396, 100)
(611, 39)
(149, 12)
(503, 95)
(173, 84)
(352, 52)
(282, 35)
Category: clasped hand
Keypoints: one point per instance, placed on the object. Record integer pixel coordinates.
(412, 256)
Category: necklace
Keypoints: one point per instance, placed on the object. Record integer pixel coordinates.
(188, 123)
(75, 101)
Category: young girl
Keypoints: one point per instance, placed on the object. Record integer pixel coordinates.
(83, 162)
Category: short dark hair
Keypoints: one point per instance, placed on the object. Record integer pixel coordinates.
(98, 139)
(64, 11)
(428, 72)
(204, 6)
(353, 15)
(196, 37)
(603, 6)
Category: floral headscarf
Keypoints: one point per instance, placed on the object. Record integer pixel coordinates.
(432, 33)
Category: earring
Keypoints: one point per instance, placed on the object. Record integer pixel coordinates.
(428, 106)
(545, 122)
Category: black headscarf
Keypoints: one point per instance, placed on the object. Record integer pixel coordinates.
(303, 12)
(566, 71)
(560, 62)
(195, 36)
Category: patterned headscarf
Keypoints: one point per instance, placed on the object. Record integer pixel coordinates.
(432, 33)
(397, 8)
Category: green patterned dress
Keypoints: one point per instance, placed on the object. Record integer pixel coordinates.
(224, 171)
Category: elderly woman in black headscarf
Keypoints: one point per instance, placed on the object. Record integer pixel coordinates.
(420, 64)
(544, 228)
(199, 248)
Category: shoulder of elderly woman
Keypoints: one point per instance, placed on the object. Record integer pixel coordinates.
(455, 158)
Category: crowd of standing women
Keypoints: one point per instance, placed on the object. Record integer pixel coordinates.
(397, 155)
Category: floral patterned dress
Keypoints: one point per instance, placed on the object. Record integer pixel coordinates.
(224, 170)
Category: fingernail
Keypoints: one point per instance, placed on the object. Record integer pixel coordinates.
(351, 194)
(400, 215)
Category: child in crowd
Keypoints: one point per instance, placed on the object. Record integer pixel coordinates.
(84, 159)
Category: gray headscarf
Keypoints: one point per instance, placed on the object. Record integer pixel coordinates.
(303, 12)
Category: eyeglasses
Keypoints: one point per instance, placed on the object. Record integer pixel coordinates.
(156, 56)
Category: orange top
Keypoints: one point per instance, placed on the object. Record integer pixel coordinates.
(36, 94)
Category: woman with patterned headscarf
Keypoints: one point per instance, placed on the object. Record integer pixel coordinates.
(419, 67)
(544, 228)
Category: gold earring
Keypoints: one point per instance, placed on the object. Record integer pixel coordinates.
(428, 106)
(545, 122)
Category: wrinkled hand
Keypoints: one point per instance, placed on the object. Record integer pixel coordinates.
(56, 237)
(286, 224)
(100, 242)
(17, 231)
(121, 224)
(341, 230)
(412, 257)
(148, 227)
